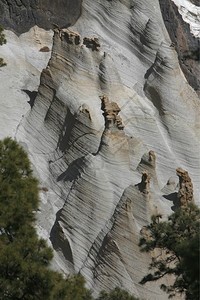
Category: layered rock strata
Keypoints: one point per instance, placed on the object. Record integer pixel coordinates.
(90, 163)
(21, 77)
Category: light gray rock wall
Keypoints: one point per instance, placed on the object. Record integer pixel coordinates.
(96, 203)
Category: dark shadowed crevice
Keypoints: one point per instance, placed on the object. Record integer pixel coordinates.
(32, 95)
(155, 98)
(74, 170)
(66, 131)
(173, 197)
(149, 71)
(60, 242)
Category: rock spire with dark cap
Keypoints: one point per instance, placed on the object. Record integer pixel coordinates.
(111, 110)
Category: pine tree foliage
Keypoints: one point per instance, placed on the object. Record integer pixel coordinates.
(25, 259)
(116, 294)
(72, 288)
(2, 41)
(174, 245)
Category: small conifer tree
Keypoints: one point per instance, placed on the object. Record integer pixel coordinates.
(116, 294)
(176, 243)
(24, 258)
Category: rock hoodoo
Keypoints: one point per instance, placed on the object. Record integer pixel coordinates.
(149, 159)
(111, 111)
(152, 159)
(92, 43)
(185, 194)
(145, 183)
(71, 37)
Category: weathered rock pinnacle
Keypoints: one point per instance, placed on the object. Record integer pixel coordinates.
(111, 110)
(71, 37)
(148, 160)
(152, 159)
(185, 194)
(92, 43)
(145, 183)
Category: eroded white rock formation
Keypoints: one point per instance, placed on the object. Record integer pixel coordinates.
(113, 119)
(21, 77)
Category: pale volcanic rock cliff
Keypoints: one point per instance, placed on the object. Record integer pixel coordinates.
(21, 77)
(112, 120)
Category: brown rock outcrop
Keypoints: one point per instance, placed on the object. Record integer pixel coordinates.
(185, 194)
(92, 43)
(111, 110)
(71, 37)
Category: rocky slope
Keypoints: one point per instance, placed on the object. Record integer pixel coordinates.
(112, 120)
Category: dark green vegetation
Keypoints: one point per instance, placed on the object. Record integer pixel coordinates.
(116, 294)
(2, 41)
(175, 248)
(24, 258)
